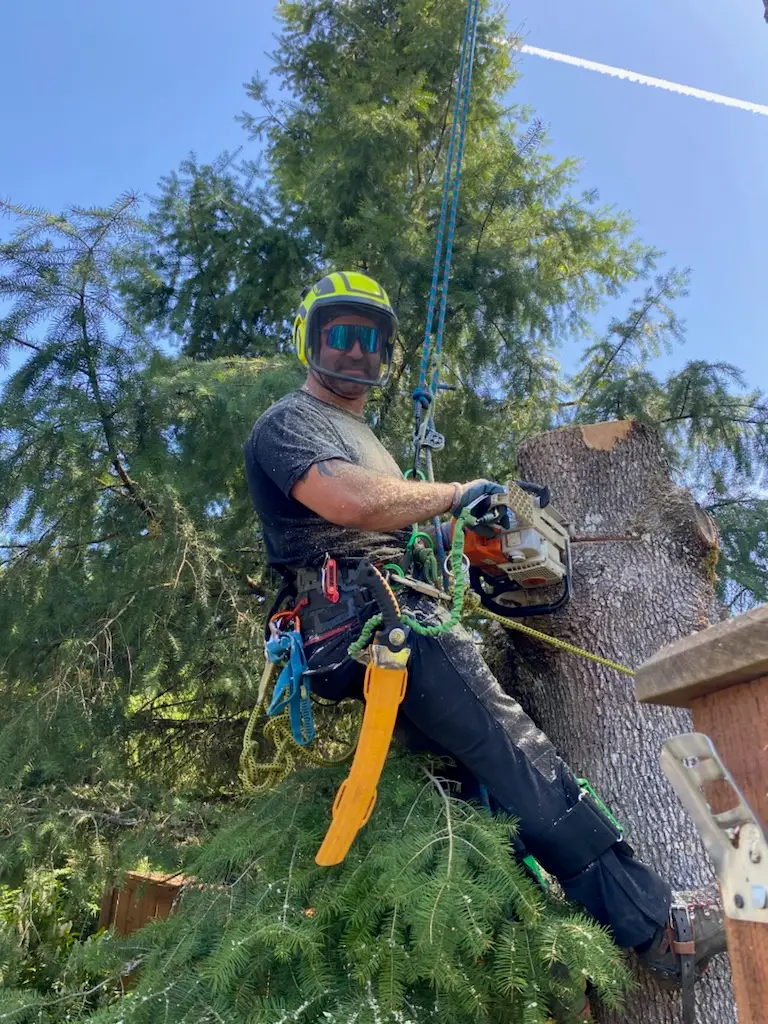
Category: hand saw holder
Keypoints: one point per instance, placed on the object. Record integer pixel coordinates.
(386, 678)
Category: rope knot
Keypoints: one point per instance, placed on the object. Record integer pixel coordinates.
(422, 397)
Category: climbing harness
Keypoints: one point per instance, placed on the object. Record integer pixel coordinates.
(280, 730)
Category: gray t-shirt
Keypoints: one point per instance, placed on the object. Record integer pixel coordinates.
(292, 435)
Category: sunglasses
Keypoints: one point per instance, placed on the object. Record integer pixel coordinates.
(342, 337)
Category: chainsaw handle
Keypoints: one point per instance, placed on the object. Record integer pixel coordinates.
(542, 493)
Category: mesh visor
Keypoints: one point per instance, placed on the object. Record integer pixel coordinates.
(336, 350)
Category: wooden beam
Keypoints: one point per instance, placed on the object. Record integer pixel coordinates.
(721, 674)
(731, 652)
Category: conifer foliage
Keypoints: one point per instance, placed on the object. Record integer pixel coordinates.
(132, 574)
(428, 919)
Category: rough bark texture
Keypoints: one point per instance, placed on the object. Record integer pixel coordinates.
(642, 559)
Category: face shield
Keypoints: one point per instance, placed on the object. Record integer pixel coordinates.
(351, 341)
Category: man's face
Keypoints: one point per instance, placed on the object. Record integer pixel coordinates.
(355, 360)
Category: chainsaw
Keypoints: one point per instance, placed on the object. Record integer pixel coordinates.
(510, 567)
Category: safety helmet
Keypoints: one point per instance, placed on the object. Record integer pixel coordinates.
(345, 292)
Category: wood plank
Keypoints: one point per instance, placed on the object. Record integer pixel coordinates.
(736, 720)
(730, 652)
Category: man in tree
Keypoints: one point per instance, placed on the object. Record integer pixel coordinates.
(326, 489)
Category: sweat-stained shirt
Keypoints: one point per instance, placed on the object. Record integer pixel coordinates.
(291, 436)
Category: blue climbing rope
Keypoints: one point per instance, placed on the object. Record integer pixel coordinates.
(473, 11)
(467, 46)
(425, 394)
(292, 688)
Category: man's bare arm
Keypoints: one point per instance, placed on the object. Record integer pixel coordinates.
(348, 495)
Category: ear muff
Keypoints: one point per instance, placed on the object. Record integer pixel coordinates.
(300, 335)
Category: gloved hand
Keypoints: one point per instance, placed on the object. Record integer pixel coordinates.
(476, 495)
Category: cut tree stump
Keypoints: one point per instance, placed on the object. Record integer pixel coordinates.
(721, 674)
(643, 566)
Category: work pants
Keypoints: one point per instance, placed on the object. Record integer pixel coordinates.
(455, 706)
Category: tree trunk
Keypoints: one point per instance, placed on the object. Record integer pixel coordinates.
(643, 558)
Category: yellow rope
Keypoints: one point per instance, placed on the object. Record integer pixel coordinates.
(259, 776)
(553, 640)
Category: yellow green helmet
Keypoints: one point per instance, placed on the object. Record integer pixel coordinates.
(340, 294)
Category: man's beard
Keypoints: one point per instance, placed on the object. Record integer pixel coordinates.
(343, 388)
(368, 368)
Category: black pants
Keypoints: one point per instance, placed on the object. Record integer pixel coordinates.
(455, 705)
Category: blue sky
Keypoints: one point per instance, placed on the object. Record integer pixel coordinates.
(100, 97)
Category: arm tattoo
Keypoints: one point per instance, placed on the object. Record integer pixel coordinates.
(324, 469)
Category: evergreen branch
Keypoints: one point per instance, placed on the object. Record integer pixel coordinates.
(190, 723)
(59, 547)
(627, 336)
(684, 399)
(288, 886)
(106, 416)
(109, 818)
(728, 502)
(26, 344)
(449, 833)
(82, 994)
(709, 414)
(740, 593)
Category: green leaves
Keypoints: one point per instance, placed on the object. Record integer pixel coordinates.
(219, 268)
(743, 566)
(416, 922)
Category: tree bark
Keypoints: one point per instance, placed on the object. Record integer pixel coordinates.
(643, 558)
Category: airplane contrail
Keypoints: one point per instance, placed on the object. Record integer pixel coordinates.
(659, 83)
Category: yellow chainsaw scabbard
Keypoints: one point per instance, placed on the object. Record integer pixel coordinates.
(355, 800)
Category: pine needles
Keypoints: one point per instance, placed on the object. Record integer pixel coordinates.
(429, 918)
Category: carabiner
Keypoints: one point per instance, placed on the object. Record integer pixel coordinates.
(330, 580)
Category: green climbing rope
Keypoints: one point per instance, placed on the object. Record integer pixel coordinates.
(458, 590)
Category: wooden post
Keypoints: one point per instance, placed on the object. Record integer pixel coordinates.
(721, 674)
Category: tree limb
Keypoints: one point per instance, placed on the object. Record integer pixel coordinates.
(26, 344)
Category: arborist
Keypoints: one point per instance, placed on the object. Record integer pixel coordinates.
(328, 495)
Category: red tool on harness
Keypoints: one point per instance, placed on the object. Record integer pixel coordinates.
(330, 580)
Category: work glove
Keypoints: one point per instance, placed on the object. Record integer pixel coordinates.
(475, 496)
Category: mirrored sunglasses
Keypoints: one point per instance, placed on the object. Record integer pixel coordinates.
(343, 336)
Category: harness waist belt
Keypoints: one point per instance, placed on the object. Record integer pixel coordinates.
(319, 615)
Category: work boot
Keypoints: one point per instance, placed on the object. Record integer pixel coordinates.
(693, 935)
(576, 1008)
(679, 954)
